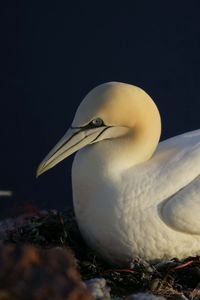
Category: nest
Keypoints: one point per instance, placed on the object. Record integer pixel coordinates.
(173, 280)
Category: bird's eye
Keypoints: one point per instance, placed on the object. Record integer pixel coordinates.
(97, 122)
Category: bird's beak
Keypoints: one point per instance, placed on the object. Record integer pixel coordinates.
(72, 141)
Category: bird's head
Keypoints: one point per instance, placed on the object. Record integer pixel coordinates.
(111, 110)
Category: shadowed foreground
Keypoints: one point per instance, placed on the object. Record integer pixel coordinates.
(51, 268)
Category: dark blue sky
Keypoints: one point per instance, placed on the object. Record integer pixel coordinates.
(59, 50)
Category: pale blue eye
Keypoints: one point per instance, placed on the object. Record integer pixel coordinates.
(97, 122)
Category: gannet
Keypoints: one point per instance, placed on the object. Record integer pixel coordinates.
(133, 196)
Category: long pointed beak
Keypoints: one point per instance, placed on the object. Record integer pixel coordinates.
(72, 141)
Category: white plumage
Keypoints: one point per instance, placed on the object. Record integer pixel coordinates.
(132, 196)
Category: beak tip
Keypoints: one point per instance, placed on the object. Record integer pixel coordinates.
(37, 174)
(40, 170)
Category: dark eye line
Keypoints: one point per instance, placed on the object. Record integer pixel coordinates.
(92, 123)
(88, 126)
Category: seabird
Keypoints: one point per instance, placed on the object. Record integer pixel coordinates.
(133, 195)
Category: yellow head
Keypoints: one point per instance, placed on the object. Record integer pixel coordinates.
(112, 111)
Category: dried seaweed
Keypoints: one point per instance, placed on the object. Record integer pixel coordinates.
(60, 229)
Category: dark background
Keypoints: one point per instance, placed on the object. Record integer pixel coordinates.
(58, 51)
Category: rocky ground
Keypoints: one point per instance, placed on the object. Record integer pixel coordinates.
(44, 252)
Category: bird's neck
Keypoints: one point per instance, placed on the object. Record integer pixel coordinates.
(120, 154)
(137, 145)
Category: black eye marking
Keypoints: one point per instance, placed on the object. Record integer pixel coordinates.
(98, 122)
(95, 123)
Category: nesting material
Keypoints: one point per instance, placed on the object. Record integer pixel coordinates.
(164, 279)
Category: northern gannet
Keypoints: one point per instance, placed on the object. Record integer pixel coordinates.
(132, 195)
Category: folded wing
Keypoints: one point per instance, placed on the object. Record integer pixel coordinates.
(170, 182)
